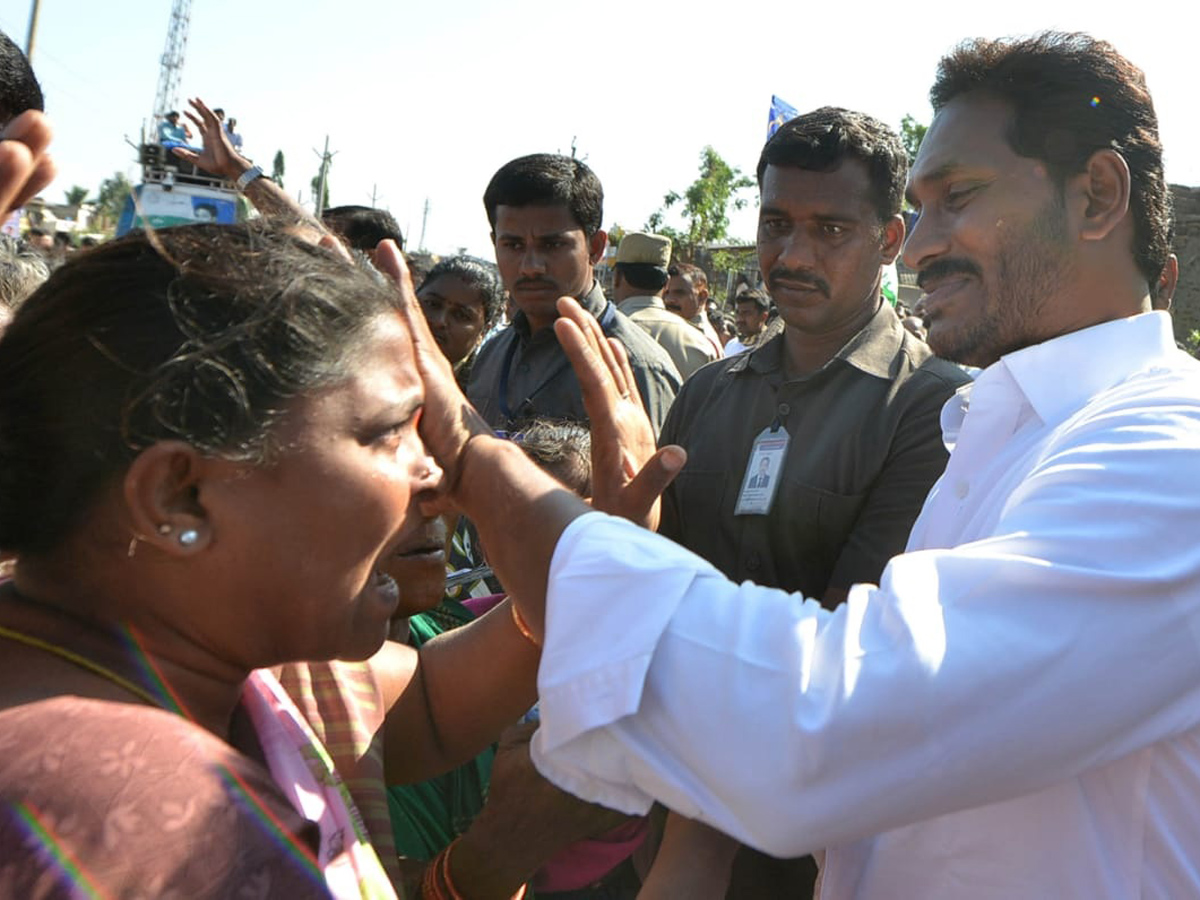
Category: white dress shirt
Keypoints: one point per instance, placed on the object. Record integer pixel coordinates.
(734, 346)
(1014, 712)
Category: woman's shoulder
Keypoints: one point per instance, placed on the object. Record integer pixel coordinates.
(129, 799)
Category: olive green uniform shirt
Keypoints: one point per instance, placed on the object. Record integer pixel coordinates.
(865, 448)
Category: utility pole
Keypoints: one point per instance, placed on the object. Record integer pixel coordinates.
(32, 33)
(424, 220)
(326, 159)
(374, 196)
(171, 67)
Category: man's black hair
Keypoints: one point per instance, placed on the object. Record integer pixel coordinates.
(691, 272)
(759, 298)
(643, 276)
(547, 179)
(363, 227)
(19, 88)
(1072, 95)
(820, 140)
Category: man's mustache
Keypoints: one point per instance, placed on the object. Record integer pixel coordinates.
(537, 283)
(801, 277)
(943, 268)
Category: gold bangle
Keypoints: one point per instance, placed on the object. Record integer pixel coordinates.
(522, 625)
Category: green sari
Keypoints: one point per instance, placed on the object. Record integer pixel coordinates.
(428, 815)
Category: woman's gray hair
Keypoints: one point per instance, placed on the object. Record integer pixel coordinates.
(22, 271)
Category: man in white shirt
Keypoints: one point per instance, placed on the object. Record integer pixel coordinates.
(1014, 711)
(752, 309)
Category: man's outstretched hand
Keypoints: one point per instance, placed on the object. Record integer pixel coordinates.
(448, 420)
(628, 473)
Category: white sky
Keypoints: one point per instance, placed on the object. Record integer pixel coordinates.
(426, 99)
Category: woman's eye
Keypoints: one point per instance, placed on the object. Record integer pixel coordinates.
(390, 435)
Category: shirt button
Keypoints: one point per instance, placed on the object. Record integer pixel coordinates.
(523, 368)
(753, 561)
(961, 489)
(784, 409)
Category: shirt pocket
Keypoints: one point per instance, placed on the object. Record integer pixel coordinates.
(815, 524)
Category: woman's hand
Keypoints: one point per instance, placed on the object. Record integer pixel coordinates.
(525, 822)
(628, 473)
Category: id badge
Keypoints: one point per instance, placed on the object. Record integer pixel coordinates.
(763, 471)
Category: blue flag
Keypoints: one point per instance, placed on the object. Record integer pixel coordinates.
(780, 113)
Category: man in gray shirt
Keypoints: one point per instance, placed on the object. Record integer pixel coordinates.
(545, 211)
(844, 400)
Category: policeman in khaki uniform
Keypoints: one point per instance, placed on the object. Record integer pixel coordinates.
(639, 278)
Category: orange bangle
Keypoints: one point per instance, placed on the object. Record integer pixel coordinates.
(437, 876)
(522, 625)
(430, 889)
(453, 891)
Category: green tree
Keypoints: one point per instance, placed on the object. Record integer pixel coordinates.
(912, 133)
(277, 168)
(111, 199)
(705, 205)
(75, 196)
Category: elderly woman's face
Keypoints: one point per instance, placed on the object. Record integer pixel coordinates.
(319, 524)
(454, 310)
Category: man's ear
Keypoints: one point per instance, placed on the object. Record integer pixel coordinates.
(1167, 283)
(1103, 187)
(596, 244)
(893, 239)
(162, 491)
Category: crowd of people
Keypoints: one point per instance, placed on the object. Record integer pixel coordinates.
(330, 572)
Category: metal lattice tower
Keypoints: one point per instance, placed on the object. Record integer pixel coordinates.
(172, 59)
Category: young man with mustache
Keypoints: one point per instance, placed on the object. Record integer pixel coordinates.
(848, 399)
(546, 212)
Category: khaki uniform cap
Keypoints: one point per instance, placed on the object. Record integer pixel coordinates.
(648, 249)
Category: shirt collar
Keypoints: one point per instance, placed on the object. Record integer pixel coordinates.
(873, 350)
(1062, 374)
(642, 301)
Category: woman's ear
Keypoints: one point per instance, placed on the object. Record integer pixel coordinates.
(162, 490)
